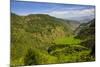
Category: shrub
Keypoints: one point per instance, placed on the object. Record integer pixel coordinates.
(36, 56)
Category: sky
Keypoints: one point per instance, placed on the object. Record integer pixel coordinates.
(64, 11)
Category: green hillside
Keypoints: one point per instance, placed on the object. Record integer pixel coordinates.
(87, 34)
(43, 39)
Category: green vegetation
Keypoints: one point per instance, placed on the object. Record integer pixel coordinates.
(87, 34)
(36, 56)
(42, 39)
(67, 40)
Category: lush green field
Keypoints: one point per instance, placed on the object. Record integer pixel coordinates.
(67, 40)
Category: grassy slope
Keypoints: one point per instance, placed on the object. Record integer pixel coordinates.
(35, 31)
(42, 39)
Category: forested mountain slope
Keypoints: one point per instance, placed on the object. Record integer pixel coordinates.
(43, 39)
(86, 32)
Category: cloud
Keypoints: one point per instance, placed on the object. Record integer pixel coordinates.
(73, 14)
